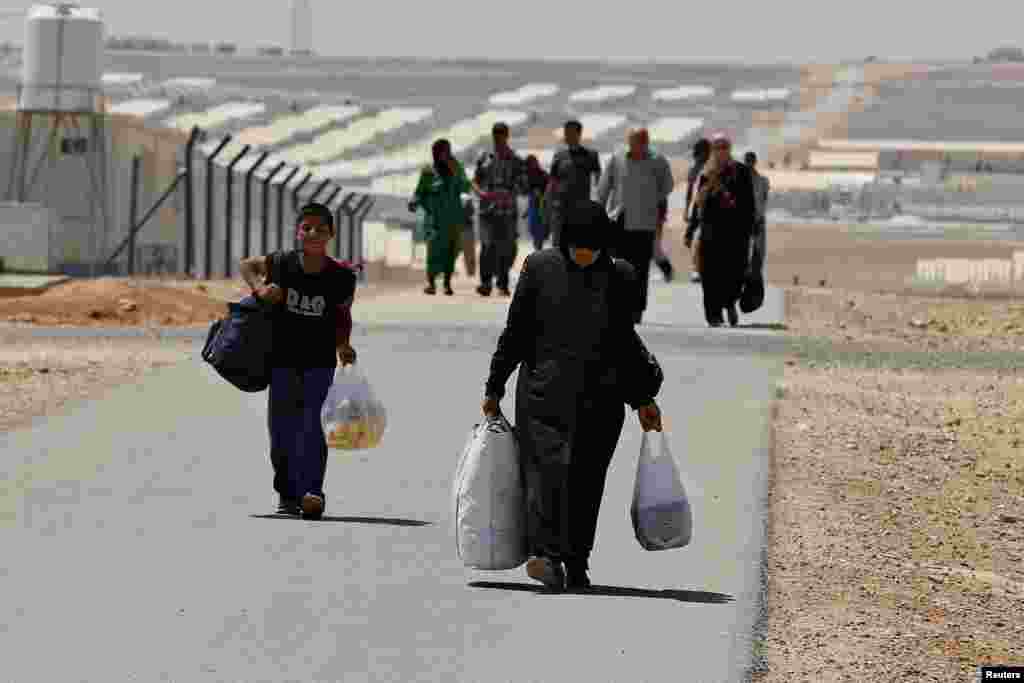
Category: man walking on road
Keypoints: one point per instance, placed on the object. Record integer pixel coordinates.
(574, 170)
(635, 189)
(761, 189)
(499, 179)
(571, 335)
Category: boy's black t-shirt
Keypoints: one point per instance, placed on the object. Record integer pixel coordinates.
(305, 329)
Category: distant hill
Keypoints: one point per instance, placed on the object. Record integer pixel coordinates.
(1005, 54)
(147, 43)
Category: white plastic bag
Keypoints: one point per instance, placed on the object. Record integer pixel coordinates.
(488, 499)
(352, 416)
(662, 518)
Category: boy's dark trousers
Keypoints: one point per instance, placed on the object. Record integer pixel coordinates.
(298, 447)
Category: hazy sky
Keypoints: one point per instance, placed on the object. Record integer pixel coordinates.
(761, 30)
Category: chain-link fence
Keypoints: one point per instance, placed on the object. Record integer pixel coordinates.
(228, 208)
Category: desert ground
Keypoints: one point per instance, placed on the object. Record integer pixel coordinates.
(897, 495)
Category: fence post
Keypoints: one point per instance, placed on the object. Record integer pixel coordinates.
(229, 211)
(352, 253)
(280, 206)
(149, 214)
(247, 235)
(295, 203)
(190, 218)
(133, 212)
(330, 200)
(319, 190)
(266, 205)
(344, 208)
(208, 251)
(298, 188)
(361, 212)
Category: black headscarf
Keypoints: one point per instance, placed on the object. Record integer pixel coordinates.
(586, 225)
(441, 166)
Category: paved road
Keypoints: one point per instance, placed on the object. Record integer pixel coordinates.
(134, 548)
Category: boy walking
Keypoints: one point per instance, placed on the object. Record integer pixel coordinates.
(313, 295)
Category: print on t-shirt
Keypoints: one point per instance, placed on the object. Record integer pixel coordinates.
(303, 305)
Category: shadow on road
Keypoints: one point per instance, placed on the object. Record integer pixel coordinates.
(781, 327)
(703, 597)
(352, 520)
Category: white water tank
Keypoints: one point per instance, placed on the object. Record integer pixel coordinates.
(62, 69)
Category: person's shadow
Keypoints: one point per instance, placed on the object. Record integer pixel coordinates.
(351, 520)
(778, 327)
(703, 597)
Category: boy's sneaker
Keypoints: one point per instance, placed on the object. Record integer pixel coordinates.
(312, 506)
(548, 572)
(288, 506)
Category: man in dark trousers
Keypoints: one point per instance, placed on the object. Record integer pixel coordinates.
(635, 188)
(570, 333)
(499, 179)
(726, 213)
(574, 170)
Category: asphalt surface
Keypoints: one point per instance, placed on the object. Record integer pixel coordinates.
(137, 544)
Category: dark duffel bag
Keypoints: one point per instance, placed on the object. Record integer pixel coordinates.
(752, 297)
(239, 345)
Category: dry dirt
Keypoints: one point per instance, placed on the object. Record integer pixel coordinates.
(844, 258)
(897, 526)
(897, 495)
(115, 302)
(41, 376)
(126, 302)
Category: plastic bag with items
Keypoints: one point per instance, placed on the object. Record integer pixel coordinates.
(662, 517)
(353, 417)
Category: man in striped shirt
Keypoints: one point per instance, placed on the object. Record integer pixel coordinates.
(499, 179)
